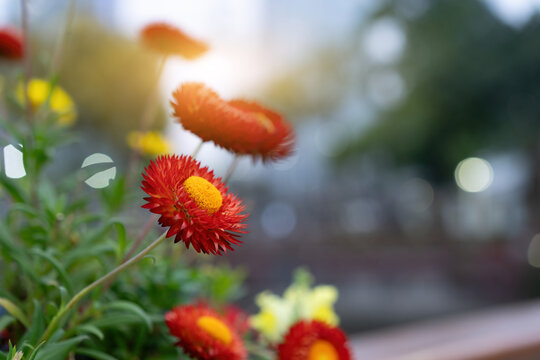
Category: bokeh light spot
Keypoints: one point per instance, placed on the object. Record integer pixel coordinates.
(384, 41)
(474, 174)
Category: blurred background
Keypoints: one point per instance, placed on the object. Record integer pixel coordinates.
(415, 184)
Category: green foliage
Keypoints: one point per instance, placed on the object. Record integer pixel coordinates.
(471, 87)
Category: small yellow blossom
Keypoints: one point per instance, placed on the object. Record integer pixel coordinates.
(300, 301)
(275, 318)
(40, 91)
(148, 143)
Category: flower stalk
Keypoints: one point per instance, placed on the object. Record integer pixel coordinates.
(231, 168)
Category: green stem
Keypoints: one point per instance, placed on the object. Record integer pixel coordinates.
(56, 319)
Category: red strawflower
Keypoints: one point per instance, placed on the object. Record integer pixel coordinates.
(314, 340)
(193, 203)
(11, 44)
(169, 40)
(239, 126)
(237, 318)
(203, 334)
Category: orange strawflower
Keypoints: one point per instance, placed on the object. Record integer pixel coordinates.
(11, 44)
(239, 126)
(314, 340)
(203, 334)
(169, 40)
(194, 204)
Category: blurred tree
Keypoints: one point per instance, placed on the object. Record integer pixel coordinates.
(472, 86)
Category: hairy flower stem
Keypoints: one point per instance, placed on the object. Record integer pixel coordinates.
(197, 149)
(56, 319)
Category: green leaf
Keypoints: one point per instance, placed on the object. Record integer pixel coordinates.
(6, 239)
(90, 329)
(100, 233)
(12, 351)
(5, 321)
(121, 240)
(87, 252)
(95, 354)
(30, 212)
(38, 325)
(132, 308)
(60, 350)
(81, 220)
(34, 352)
(76, 206)
(57, 266)
(15, 311)
(116, 320)
(26, 267)
(64, 296)
(14, 190)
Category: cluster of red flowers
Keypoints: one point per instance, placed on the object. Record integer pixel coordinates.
(206, 335)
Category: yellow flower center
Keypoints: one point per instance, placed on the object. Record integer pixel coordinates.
(206, 195)
(265, 122)
(215, 328)
(322, 350)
